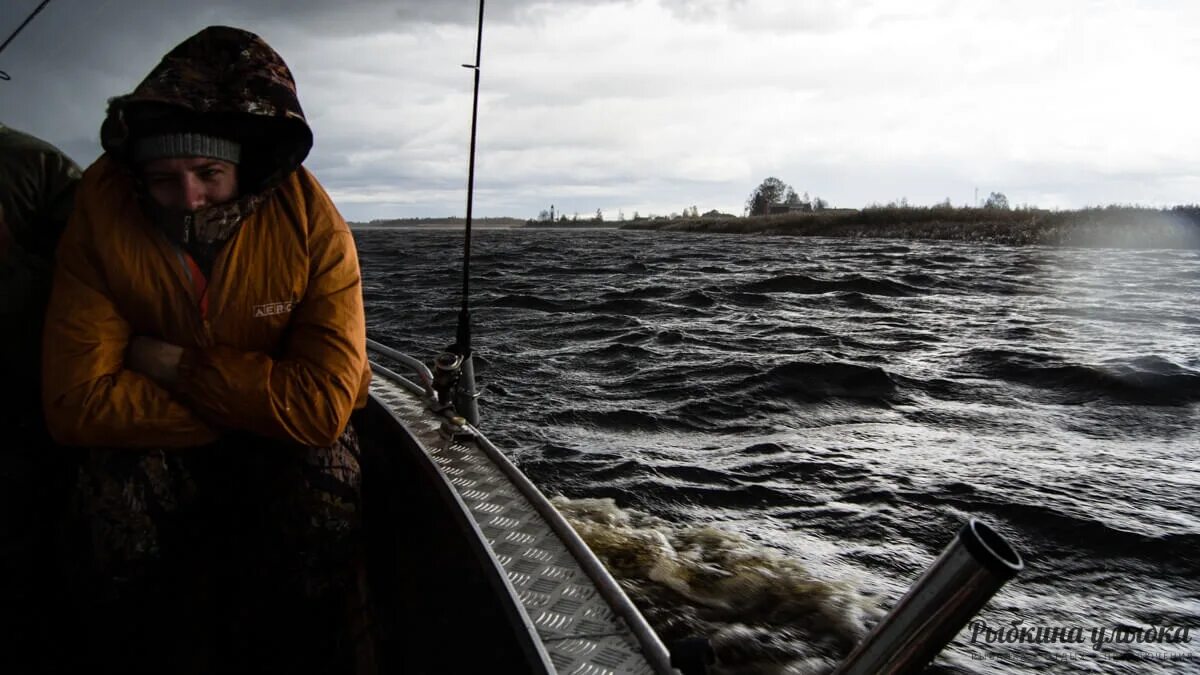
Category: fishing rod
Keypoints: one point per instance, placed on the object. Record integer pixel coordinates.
(464, 315)
(454, 376)
(39, 8)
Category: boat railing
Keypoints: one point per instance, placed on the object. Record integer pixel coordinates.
(416, 365)
(652, 647)
(655, 653)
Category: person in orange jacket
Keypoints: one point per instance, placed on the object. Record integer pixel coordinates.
(205, 340)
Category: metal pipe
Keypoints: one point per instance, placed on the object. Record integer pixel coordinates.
(417, 367)
(466, 395)
(388, 374)
(652, 647)
(954, 588)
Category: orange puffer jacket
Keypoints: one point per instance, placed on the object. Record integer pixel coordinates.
(280, 352)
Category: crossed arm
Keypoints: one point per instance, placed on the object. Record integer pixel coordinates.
(106, 386)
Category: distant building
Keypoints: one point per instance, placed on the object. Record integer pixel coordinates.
(789, 208)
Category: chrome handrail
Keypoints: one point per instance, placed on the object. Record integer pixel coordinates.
(416, 365)
(652, 647)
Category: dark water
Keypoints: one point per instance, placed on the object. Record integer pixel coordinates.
(770, 438)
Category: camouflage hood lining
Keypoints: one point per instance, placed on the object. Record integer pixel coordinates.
(225, 80)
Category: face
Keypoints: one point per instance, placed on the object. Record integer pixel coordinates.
(191, 183)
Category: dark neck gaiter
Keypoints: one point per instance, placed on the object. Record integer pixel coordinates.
(202, 233)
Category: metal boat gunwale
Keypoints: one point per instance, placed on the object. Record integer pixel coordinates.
(652, 647)
(448, 491)
(455, 430)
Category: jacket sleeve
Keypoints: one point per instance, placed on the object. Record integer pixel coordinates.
(89, 397)
(305, 395)
(61, 179)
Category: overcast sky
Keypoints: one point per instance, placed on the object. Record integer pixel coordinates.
(652, 106)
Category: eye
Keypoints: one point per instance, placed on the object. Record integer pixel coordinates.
(209, 172)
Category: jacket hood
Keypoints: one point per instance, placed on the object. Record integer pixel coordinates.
(224, 81)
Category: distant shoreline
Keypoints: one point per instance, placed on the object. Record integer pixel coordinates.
(476, 226)
(1113, 226)
(438, 223)
(582, 225)
(481, 224)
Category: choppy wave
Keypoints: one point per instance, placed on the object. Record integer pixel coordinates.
(651, 292)
(1146, 380)
(528, 302)
(855, 283)
(814, 381)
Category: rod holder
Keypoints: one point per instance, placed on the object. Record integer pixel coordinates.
(466, 394)
(954, 588)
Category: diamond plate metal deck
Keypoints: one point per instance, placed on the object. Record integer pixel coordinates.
(577, 626)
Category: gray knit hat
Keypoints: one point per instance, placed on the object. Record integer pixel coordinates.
(186, 144)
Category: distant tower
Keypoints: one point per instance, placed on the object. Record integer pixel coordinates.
(552, 211)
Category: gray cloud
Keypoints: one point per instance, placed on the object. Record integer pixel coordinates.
(654, 105)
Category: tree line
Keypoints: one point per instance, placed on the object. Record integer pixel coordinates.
(776, 196)
(772, 196)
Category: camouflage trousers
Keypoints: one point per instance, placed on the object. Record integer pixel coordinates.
(293, 508)
(249, 535)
